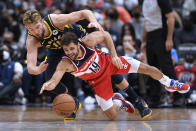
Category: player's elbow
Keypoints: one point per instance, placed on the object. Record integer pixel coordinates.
(106, 34)
(31, 71)
(87, 11)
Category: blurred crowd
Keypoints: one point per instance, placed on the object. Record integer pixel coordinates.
(123, 19)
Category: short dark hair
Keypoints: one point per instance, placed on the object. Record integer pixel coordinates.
(69, 37)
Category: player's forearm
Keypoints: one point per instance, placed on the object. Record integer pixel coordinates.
(55, 80)
(57, 76)
(170, 27)
(87, 14)
(110, 45)
(52, 83)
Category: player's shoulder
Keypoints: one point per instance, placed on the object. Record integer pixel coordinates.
(56, 17)
(66, 60)
(87, 40)
(32, 41)
(58, 20)
(31, 38)
(67, 65)
(53, 17)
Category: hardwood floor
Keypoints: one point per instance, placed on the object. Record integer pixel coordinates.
(42, 118)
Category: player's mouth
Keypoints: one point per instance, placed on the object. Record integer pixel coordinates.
(72, 56)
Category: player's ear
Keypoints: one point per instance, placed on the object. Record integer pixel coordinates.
(78, 41)
(78, 44)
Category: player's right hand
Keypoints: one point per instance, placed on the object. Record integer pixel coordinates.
(96, 25)
(117, 62)
(42, 67)
(47, 86)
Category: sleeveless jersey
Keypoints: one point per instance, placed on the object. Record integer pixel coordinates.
(54, 38)
(96, 67)
(91, 65)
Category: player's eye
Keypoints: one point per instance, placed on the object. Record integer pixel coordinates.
(30, 30)
(72, 48)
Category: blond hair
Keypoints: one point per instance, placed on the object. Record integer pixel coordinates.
(31, 16)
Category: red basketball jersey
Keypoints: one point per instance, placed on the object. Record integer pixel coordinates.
(96, 67)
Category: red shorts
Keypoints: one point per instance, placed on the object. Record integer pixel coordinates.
(103, 84)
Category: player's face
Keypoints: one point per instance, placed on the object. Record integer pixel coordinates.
(36, 29)
(72, 50)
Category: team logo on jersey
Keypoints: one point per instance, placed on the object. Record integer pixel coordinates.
(125, 66)
(54, 32)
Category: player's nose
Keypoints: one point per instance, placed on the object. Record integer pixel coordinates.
(37, 33)
(68, 52)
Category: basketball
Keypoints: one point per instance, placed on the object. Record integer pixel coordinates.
(63, 105)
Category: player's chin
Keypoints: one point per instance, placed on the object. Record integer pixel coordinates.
(72, 57)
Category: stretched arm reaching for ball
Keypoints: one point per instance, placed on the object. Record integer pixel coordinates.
(57, 76)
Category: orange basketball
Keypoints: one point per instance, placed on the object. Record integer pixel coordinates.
(63, 104)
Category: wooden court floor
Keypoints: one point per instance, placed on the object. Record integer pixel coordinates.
(91, 118)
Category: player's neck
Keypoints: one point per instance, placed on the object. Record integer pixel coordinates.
(81, 53)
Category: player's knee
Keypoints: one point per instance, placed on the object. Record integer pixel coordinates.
(111, 116)
(123, 85)
(117, 79)
(111, 113)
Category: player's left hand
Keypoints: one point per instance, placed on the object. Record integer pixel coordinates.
(169, 45)
(117, 62)
(96, 25)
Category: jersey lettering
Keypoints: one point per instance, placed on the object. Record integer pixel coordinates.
(94, 67)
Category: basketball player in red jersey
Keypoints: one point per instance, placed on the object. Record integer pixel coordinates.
(83, 61)
(47, 32)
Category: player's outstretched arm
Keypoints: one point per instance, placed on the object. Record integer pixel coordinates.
(61, 20)
(53, 82)
(32, 45)
(102, 36)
